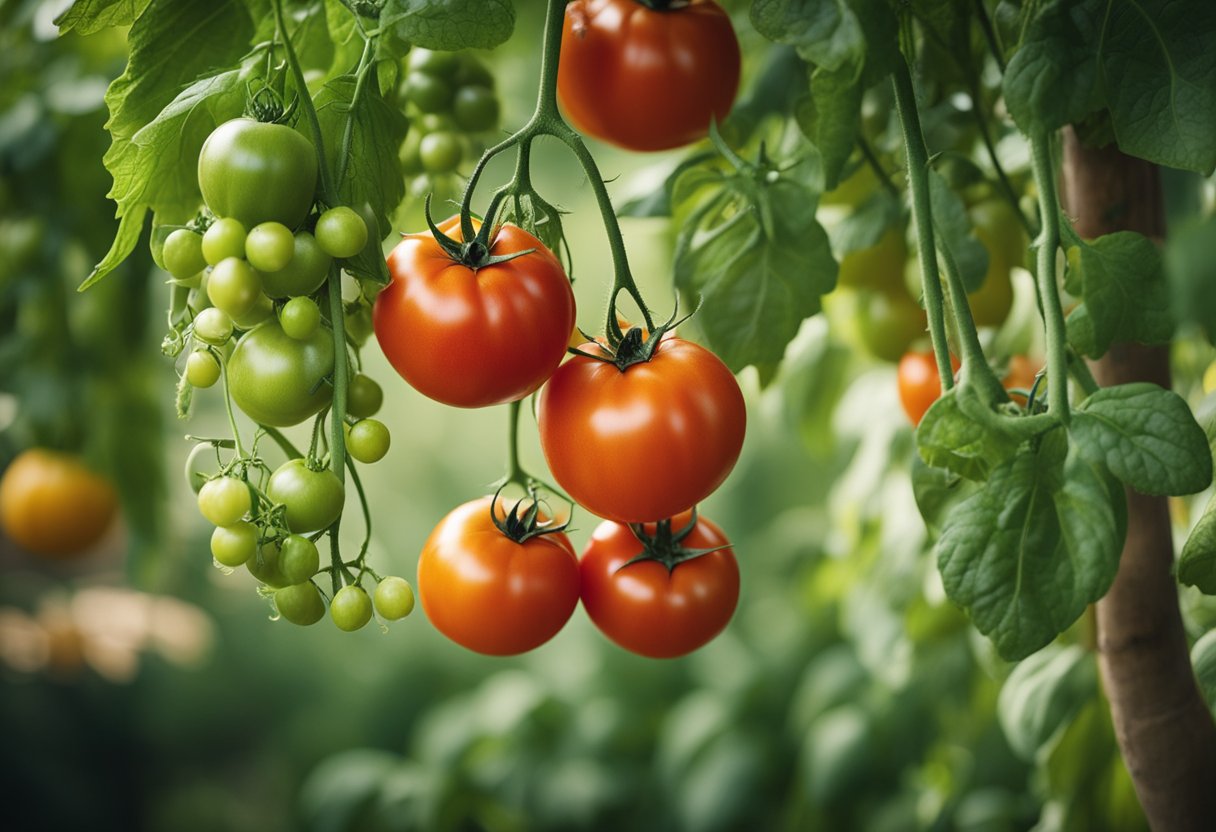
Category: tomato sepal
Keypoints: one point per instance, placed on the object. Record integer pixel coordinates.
(664, 545)
(523, 527)
(474, 254)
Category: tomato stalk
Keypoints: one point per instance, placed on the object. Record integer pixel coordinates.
(236, 433)
(1049, 291)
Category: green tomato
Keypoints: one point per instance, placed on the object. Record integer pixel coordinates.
(367, 441)
(300, 318)
(258, 172)
(409, 156)
(363, 397)
(183, 254)
(225, 238)
(262, 310)
(233, 287)
(359, 324)
(433, 62)
(472, 72)
(264, 565)
(269, 246)
(300, 604)
(394, 598)
(429, 93)
(224, 500)
(202, 370)
(341, 232)
(234, 545)
(881, 266)
(889, 323)
(998, 228)
(313, 499)
(278, 380)
(303, 274)
(350, 608)
(213, 326)
(440, 152)
(298, 559)
(475, 109)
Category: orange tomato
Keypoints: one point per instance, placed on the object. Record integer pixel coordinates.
(920, 385)
(51, 504)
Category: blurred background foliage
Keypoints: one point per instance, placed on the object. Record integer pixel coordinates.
(846, 694)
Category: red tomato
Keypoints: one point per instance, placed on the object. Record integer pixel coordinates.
(490, 594)
(919, 383)
(472, 338)
(645, 443)
(647, 609)
(644, 79)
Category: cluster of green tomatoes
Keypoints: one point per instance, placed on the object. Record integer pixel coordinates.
(255, 268)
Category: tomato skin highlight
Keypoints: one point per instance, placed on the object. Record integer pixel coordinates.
(474, 338)
(643, 79)
(647, 443)
(51, 504)
(257, 173)
(648, 610)
(490, 594)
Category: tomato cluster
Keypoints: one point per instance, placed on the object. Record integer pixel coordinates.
(255, 266)
(452, 104)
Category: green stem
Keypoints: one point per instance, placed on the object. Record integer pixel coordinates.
(297, 73)
(1049, 290)
(367, 514)
(366, 65)
(236, 433)
(990, 147)
(990, 34)
(922, 213)
(337, 450)
(974, 363)
(871, 158)
(515, 472)
(1081, 373)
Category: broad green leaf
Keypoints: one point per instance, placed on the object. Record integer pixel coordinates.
(374, 177)
(937, 492)
(825, 32)
(130, 228)
(830, 117)
(450, 24)
(1190, 268)
(865, 226)
(1052, 79)
(1035, 545)
(951, 224)
(90, 16)
(1043, 694)
(1203, 659)
(1146, 436)
(1126, 298)
(1197, 563)
(946, 438)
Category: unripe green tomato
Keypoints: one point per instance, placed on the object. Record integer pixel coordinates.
(269, 246)
(213, 326)
(183, 254)
(367, 441)
(264, 565)
(433, 62)
(225, 238)
(434, 122)
(313, 499)
(364, 397)
(224, 500)
(341, 232)
(475, 109)
(300, 318)
(350, 608)
(472, 72)
(202, 370)
(233, 287)
(429, 93)
(409, 156)
(440, 152)
(394, 598)
(234, 545)
(299, 559)
(881, 266)
(262, 310)
(304, 274)
(278, 380)
(889, 322)
(300, 604)
(359, 324)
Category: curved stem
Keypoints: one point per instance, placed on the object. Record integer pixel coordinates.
(337, 450)
(314, 124)
(236, 433)
(367, 514)
(1049, 290)
(515, 472)
(871, 158)
(365, 68)
(922, 213)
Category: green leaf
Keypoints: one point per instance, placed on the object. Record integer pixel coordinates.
(1190, 269)
(830, 117)
(937, 492)
(951, 223)
(1126, 298)
(1149, 63)
(1146, 436)
(1042, 696)
(1035, 545)
(130, 228)
(946, 438)
(90, 16)
(825, 32)
(450, 24)
(1203, 659)
(1197, 564)
(758, 257)
(867, 223)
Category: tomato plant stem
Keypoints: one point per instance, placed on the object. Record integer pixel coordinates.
(337, 450)
(367, 514)
(310, 112)
(1049, 292)
(922, 213)
(515, 473)
(365, 68)
(236, 433)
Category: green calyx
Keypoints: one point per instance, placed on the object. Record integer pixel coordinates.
(476, 253)
(634, 346)
(665, 544)
(266, 106)
(526, 526)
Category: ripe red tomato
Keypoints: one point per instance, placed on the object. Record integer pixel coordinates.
(919, 383)
(647, 609)
(490, 594)
(645, 443)
(645, 79)
(50, 504)
(472, 338)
